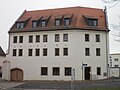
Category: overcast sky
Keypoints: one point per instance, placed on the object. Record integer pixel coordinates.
(10, 10)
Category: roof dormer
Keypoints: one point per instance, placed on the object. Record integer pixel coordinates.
(22, 23)
(90, 20)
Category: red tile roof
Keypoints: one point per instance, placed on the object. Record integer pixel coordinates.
(77, 14)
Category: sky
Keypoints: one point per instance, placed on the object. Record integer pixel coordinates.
(10, 10)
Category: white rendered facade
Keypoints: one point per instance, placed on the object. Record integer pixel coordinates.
(76, 44)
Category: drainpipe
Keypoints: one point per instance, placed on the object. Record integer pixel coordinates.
(107, 42)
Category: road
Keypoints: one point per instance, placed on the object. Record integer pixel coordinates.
(59, 85)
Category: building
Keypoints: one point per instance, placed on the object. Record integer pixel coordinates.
(114, 65)
(51, 44)
(2, 58)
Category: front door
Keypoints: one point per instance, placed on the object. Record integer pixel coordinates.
(87, 73)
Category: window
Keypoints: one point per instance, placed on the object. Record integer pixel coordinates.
(67, 21)
(65, 37)
(20, 52)
(57, 38)
(116, 59)
(87, 51)
(65, 51)
(56, 71)
(15, 39)
(97, 38)
(37, 38)
(92, 22)
(20, 25)
(57, 22)
(20, 39)
(0, 72)
(68, 71)
(97, 51)
(98, 70)
(30, 39)
(44, 71)
(34, 24)
(43, 23)
(87, 37)
(29, 52)
(56, 51)
(44, 38)
(116, 65)
(14, 52)
(45, 52)
(37, 52)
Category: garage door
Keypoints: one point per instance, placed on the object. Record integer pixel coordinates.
(16, 75)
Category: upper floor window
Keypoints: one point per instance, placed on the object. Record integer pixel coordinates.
(45, 38)
(30, 52)
(43, 23)
(34, 24)
(45, 52)
(37, 52)
(30, 39)
(97, 38)
(20, 52)
(15, 39)
(57, 22)
(65, 51)
(92, 22)
(87, 37)
(57, 37)
(87, 51)
(20, 25)
(116, 59)
(98, 52)
(67, 21)
(65, 37)
(56, 51)
(37, 38)
(20, 39)
(14, 52)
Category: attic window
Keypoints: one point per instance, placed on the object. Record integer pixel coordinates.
(20, 25)
(57, 22)
(34, 24)
(43, 23)
(91, 20)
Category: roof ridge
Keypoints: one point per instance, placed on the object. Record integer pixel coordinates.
(63, 8)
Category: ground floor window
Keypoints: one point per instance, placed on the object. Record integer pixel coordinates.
(68, 71)
(44, 71)
(0, 71)
(98, 70)
(56, 71)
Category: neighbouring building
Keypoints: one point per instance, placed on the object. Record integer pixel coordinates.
(2, 59)
(51, 44)
(114, 64)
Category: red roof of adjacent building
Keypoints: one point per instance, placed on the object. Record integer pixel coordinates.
(78, 15)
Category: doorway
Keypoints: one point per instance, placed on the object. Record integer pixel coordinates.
(87, 73)
(16, 75)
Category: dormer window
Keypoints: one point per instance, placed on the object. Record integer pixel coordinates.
(67, 22)
(34, 24)
(20, 25)
(91, 20)
(57, 22)
(43, 23)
